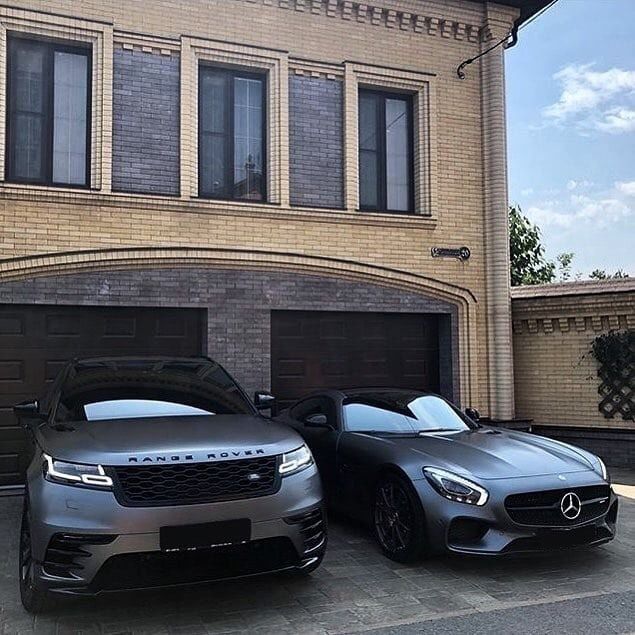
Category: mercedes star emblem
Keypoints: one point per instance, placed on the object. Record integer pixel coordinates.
(570, 506)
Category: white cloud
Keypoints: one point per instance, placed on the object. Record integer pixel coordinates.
(597, 210)
(626, 187)
(618, 120)
(578, 185)
(596, 100)
(527, 191)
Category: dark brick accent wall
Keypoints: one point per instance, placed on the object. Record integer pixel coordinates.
(145, 131)
(239, 305)
(316, 143)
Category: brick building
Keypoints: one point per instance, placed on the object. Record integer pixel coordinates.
(263, 181)
(557, 384)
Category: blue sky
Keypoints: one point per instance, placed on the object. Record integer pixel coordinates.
(571, 131)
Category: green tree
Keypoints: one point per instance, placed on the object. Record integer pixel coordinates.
(527, 255)
(600, 274)
(564, 265)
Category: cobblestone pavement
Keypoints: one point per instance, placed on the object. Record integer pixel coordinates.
(356, 589)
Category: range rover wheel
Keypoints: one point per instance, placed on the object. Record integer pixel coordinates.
(399, 522)
(33, 600)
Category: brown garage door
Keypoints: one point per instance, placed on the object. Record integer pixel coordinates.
(36, 341)
(314, 350)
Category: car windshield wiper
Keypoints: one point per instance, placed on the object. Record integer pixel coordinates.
(437, 430)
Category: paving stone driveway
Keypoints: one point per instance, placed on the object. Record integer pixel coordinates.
(355, 589)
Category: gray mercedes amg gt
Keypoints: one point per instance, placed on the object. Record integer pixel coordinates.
(153, 472)
(430, 479)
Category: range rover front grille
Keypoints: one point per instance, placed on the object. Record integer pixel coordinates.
(542, 509)
(189, 484)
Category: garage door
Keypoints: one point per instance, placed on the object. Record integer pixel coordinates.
(314, 350)
(36, 341)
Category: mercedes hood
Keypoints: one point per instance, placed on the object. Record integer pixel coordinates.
(488, 453)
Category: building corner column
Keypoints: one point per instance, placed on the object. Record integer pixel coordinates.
(498, 314)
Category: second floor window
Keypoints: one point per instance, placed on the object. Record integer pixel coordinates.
(385, 152)
(231, 153)
(48, 101)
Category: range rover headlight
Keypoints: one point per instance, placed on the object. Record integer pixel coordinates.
(75, 473)
(296, 461)
(455, 487)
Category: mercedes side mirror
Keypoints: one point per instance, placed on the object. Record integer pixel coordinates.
(264, 400)
(29, 410)
(473, 414)
(318, 420)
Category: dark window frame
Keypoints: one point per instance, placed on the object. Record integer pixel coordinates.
(234, 73)
(381, 96)
(52, 47)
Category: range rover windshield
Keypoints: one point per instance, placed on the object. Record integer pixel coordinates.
(135, 389)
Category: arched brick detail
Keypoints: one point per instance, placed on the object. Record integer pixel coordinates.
(243, 282)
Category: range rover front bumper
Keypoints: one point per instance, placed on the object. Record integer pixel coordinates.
(109, 547)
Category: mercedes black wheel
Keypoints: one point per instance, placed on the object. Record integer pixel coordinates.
(399, 520)
(33, 599)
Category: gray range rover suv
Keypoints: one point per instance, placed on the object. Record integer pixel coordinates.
(153, 472)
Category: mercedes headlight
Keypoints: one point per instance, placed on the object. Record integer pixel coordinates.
(455, 487)
(75, 473)
(295, 461)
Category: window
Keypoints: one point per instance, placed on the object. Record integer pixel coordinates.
(385, 152)
(231, 134)
(48, 113)
(401, 413)
(138, 409)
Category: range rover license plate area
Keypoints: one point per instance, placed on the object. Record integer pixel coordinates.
(189, 537)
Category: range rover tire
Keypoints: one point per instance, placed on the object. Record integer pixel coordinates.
(399, 520)
(33, 600)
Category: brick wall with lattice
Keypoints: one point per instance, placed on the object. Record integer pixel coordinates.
(558, 381)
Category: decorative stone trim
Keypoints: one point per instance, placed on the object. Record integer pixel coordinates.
(315, 69)
(144, 204)
(275, 65)
(595, 323)
(100, 36)
(395, 19)
(423, 87)
(147, 44)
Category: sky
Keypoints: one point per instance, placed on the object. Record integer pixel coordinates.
(571, 131)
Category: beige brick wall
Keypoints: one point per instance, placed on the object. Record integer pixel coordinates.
(554, 326)
(423, 42)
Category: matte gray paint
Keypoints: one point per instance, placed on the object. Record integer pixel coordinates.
(503, 462)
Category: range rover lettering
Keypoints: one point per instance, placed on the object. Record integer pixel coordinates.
(151, 472)
(429, 478)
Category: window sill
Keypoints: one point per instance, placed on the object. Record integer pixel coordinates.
(196, 205)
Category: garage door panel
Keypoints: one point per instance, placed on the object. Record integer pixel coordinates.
(37, 341)
(344, 349)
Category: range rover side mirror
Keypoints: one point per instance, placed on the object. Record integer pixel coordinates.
(29, 409)
(264, 400)
(473, 414)
(317, 420)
